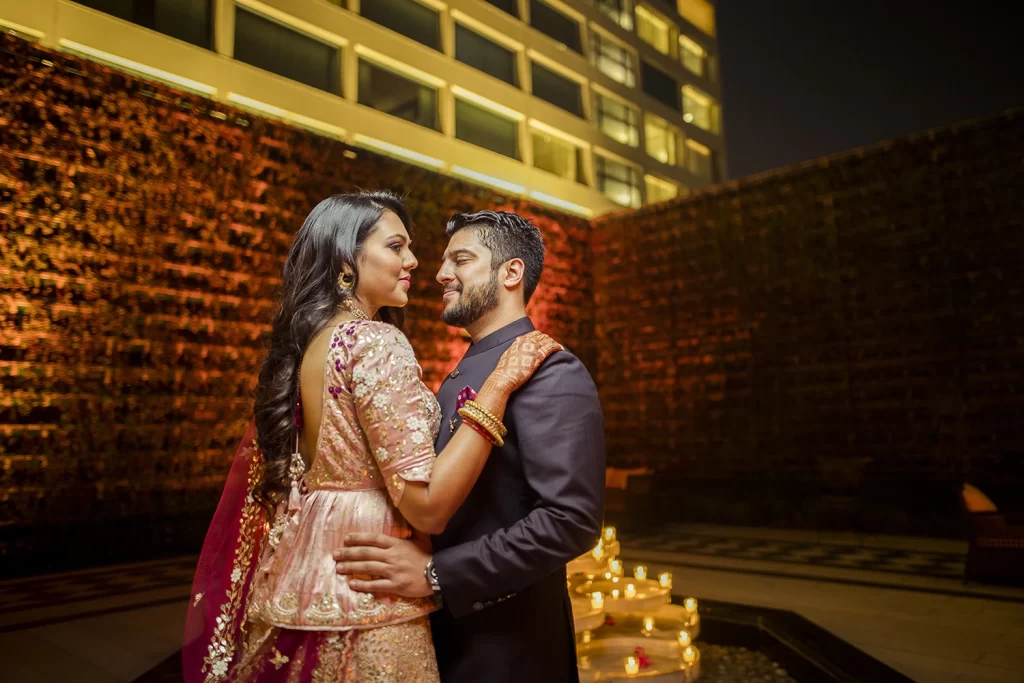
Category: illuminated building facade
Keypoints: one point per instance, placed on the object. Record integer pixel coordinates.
(586, 105)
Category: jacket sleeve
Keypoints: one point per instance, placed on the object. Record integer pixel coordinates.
(560, 433)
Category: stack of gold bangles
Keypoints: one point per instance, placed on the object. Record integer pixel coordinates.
(481, 419)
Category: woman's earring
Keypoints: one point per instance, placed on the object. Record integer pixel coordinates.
(346, 281)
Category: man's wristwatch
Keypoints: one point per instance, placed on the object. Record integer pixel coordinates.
(430, 572)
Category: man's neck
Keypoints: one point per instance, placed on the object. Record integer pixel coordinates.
(492, 321)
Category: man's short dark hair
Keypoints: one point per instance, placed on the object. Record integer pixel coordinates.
(508, 236)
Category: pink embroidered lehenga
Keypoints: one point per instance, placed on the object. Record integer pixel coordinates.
(267, 604)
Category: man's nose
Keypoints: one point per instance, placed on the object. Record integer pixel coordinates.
(443, 276)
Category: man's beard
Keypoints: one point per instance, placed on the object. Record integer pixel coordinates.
(472, 304)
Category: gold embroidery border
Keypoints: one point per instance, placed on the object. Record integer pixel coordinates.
(221, 648)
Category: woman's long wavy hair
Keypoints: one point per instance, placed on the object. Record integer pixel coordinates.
(332, 236)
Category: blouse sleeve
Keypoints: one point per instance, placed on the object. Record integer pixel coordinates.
(390, 403)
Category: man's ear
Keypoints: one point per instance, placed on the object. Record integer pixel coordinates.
(515, 269)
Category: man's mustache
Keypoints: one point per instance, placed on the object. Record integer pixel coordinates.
(454, 288)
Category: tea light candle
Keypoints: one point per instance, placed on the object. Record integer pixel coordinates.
(586, 637)
(665, 579)
(616, 567)
(648, 624)
(630, 591)
(684, 638)
(689, 654)
(608, 575)
(615, 579)
(640, 572)
(615, 593)
(598, 553)
(632, 665)
(609, 534)
(597, 600)
(690, 604)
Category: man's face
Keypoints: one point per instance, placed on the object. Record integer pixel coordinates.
(470, 285)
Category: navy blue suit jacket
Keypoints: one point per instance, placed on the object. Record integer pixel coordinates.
(538, 504)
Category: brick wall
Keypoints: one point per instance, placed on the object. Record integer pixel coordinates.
(143, 232)
(774, 336)
(833, 344)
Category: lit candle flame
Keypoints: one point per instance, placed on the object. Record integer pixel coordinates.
(616, 567)
(665, 579)
(689, 654)
(615, 593)
(597, 600)
(640, 572)
(609, 533)
(648, 624)
(632, 665)
(684, 638)
(690, 604)
(630, 591)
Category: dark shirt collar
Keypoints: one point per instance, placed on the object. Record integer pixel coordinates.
(499, 337)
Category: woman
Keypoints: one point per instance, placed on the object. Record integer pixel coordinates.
(342, 441)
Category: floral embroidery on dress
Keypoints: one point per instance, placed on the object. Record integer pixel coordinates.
(278, 660)
(373, 438)
(221, 649)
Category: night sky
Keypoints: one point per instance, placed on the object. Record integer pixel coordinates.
(807, 79)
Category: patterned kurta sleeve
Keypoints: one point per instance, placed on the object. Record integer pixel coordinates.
(390, 400)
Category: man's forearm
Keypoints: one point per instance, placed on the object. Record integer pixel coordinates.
(508, 560)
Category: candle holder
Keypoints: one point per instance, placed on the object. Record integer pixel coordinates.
(626, 597)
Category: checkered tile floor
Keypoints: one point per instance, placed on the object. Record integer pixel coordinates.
(821, 554)
(61, 589)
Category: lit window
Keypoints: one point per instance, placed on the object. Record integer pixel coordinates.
(699, 160)
(659, 190)
(699, 109)
(286, 52)
(653, 30)
(618, 121)
(410, 18)
(557, 89)
(692, 55)
(557, 156)
(700, 13)
(484, 54)
(486, 128)
(613, 60)
(661, 140)
(550, 21)
(396, 94)
(188, 21)
(620, 11)
(619, 182)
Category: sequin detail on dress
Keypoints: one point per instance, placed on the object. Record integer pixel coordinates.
(375, 435)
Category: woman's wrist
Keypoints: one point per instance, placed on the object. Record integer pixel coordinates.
(493, 398)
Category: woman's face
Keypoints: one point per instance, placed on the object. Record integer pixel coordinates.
(386, 264)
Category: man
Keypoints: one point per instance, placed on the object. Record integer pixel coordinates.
(499, 566)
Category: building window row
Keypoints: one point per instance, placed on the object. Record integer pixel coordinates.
(273, 46)
(278, 48)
